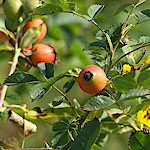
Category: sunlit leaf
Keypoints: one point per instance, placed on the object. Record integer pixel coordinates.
(5, 45)
(97, 102)
(95, 9)
(102, 139)
(4, 115)
(47, 9)
(20, 78)
(115, 32)
(30, 36)
(141, 1)
(146, 12)
(47, 69)
(134, 93)
(57, 101)
(37, 91)
(68, 85)
(69, 5)
(139, 55)
(60, 139)
(1, 148)
(122, 8)
(139, 141)
(144, 39)
(87, 137)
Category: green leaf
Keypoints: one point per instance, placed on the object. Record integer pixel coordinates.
(4, 115)
(97, 102)
(38, 91)
(87, 136)
(69, 5)
(122, 8)
(1, 148)
(138, 107)
(60, 139)
(30, 36)
(5, 45)
(20, 78)
(115, 32)
(140, 2)
(57, 101)
(144, 78)
(146, 12)
(125, 82)
(139, 141)
(93, 10)
(52, 80)
(97, 44)
(139, 55)
(12, 97)
(144, 39)
(102, 139)
(64, 129)
(60, 127)
(68, 85)
(47, 69)
(134, 93)
(46, 9)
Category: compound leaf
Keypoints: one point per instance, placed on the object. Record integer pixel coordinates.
(46, 9)
(87, 137)
(94, 9)
(146, 12)
(98, 102)
(37, 91)
(58, 100)
(122, 8)
(68, 85)
(134, 93)
(47, 69)
(139, 140)
(20, 78)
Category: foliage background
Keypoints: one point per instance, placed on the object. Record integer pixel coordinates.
(68, 35)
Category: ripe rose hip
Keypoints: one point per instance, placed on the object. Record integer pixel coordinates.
(92, 79)
(36, 23)
(42, 53)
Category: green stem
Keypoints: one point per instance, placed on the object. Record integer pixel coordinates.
(23, 142)
(12, 69)
(126, 28)
(52, 80)
(64, 95)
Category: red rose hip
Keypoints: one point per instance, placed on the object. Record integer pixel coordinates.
(42, 53)
(36, 23)
(92, 79)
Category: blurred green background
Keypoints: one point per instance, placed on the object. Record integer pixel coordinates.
(69, 35)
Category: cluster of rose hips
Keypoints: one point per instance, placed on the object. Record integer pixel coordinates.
(35, 52)
(91, 79)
